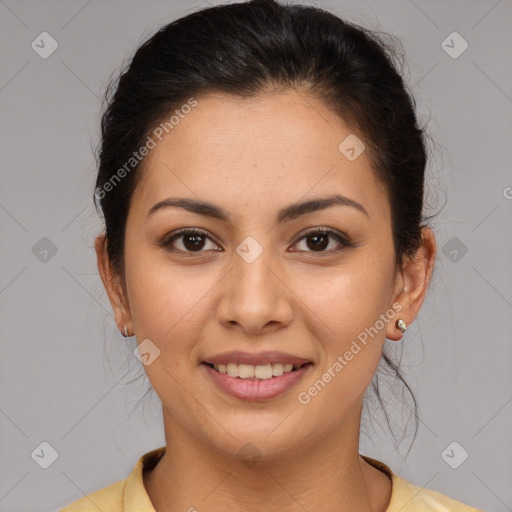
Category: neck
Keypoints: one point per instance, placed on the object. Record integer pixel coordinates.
(329, 475)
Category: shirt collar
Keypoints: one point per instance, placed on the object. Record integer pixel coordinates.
(136, 498)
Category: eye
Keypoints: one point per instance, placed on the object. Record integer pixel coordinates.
(191, 240)
(320, 240)
(195, 240)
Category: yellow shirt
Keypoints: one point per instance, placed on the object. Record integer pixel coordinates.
(130, 495)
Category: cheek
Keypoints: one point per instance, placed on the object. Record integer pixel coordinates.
(350, 338)
(345, 313)
(347, 302)
(168, 306)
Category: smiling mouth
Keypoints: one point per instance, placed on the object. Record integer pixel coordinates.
(256, 372)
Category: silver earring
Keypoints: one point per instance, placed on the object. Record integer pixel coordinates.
(401, 325)
(125, 332)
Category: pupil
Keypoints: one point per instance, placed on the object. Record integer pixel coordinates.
(321, 245)
(196, 244)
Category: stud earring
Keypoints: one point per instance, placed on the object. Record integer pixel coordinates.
(401, 325)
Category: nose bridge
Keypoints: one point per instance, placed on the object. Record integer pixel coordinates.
(252, 261)
(256, 295)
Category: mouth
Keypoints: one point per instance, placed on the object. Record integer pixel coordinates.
(256, 383)
(256, 372)
(258, 376)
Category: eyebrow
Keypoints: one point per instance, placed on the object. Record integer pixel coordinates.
(285, 214)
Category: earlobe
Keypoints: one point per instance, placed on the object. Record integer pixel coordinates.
(413, 283)
(112, 283)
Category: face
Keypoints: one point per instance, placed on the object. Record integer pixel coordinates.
(259, 280)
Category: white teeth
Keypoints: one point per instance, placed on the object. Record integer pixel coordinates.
(263, 371)
(277, 369)
(232, 370)
(249, 371)
(245, 371)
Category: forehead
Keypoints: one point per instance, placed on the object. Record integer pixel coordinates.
(275, 146)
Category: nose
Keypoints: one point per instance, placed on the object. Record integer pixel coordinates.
(255, 296)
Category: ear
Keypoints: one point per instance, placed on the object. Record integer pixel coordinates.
(113, 286)
(412, 282)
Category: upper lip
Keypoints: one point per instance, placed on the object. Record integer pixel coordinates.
(260, 358)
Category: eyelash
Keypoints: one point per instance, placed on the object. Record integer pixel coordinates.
(167, 242)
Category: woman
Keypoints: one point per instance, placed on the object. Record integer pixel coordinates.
(261, 178)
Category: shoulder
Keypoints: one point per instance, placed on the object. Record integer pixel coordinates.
(125, 495)
(411, 498)
(109, 498)
(407, 497)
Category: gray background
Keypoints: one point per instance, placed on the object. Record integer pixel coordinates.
(65, 370)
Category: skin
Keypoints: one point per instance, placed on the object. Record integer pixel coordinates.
(253, 157)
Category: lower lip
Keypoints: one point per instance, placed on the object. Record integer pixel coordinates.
(257, 389)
